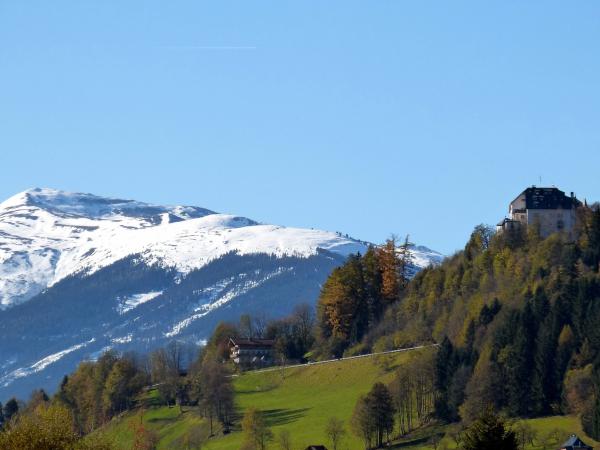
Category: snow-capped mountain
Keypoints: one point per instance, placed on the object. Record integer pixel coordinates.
(80, 274)
(47, 235)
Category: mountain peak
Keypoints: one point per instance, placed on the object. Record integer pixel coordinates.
(93, 206)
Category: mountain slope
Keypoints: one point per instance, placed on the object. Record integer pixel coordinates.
(46, 235)
(80, 274)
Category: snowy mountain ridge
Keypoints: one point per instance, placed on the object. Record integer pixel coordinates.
(47, 235)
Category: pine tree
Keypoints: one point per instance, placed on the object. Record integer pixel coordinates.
(382, 410)
(372, 286)
(519, 363)
(405, 262)
(444, 370)
(10, 409)
(489, 432)
(595, 432)
(592, 252)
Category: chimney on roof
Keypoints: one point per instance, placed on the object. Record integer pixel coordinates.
(572, 194)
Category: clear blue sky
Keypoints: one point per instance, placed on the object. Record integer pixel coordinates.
(366, 117)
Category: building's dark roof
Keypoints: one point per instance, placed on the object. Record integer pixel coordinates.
(316, 447)
(506, 220)
(251, 342)
(549, 198)
(574, 443)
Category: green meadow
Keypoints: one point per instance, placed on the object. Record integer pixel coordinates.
(301, 400)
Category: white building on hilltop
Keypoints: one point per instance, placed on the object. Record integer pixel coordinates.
(548, 208)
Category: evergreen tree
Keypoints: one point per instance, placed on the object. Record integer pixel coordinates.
(519, 363)
(444, 370)
(489, 432)
(469, 353)
(592, 252)
(10, 409)
(405, 260)
(595, 431)
(382, 411)
(372, 286)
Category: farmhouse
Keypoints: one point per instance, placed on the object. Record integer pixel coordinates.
(549, 208)
(251, 352)
(574, 443)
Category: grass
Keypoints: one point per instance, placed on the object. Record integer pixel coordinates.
(301, 400)
(169, 423)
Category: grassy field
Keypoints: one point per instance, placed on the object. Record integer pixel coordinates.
(301, 400)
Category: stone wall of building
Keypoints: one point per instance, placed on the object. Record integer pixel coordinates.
(552, 220)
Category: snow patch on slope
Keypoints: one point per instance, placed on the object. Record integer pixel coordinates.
(215, 300)
(128, 303)
(41, 364)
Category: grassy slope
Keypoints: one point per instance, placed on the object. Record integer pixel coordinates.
(300, 402)
(306, 397)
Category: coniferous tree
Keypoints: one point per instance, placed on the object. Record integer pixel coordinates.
(518, 364)
(372, 289)
(10, 409)
(382, 410)
(444, 370)
(405, 260)
(489, 432)
(592, 252)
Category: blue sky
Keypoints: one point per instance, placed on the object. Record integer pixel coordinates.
(369, 118)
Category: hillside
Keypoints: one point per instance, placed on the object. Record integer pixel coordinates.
(298, 399)
(301, 402)
(518, 318)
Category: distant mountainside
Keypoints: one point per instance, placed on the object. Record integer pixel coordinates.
(80, 274)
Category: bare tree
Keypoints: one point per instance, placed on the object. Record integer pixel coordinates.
(303, 318)
(259, 325)
(335, 431)
(246, 327)
(216, 393)
(284, 440)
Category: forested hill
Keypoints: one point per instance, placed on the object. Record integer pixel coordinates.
(518, 318)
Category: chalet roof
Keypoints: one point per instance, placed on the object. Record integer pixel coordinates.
(574, 443)
(251, 342)
(548, 198)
